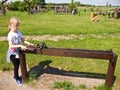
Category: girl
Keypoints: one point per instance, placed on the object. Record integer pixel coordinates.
(14, 40)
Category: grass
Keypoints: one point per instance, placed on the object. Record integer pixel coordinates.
(103, 35)
(53, 24)
(63, 85)
(102, 87)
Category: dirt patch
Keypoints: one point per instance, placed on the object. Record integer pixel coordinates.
(45, 81)
(47, 37)
(61, 37)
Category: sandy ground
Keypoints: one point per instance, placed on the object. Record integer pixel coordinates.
(45, 81)
(57, 37)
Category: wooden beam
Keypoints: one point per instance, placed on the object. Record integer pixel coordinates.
(78, 53)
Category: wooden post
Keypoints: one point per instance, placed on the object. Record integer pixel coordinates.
(23, 66)
(111, 69)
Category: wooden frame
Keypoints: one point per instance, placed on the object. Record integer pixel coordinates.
(78, 53)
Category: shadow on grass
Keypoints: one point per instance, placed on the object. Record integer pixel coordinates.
(43, 67)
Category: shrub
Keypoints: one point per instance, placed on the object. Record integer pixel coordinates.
(63, 85)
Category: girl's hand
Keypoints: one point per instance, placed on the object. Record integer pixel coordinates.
(30, 45)
(23, 47)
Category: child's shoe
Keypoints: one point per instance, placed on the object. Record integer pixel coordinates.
(19, 82)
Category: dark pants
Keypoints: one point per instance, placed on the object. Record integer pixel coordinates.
(16, 63)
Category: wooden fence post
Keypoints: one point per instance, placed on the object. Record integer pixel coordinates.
(23, 66)
(111, 69)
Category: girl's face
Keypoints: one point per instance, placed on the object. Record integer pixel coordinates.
(14, 25)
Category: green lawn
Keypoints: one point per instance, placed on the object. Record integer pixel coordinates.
(49, 23)
(102, 35)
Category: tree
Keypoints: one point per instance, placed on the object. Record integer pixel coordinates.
(29, 2)
(42, 3)
(14, 5)
(3, 1)
(72, 1)
(32, 3)
(2, 6)
(72, 5)
(49, 5)
(17, 5)
(77, 3)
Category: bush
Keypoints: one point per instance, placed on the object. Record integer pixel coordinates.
(64, 85)
(17, 5)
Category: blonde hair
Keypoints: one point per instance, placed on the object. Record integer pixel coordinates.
(13, 21)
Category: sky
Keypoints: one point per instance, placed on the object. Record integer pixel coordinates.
(91, 2)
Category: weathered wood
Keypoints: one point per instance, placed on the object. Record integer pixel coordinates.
(78, 53)
(111, 70)
(23, 66)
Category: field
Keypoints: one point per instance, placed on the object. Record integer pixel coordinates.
(102, 35)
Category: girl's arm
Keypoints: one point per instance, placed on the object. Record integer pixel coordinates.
(26, 42)
(16, 46)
